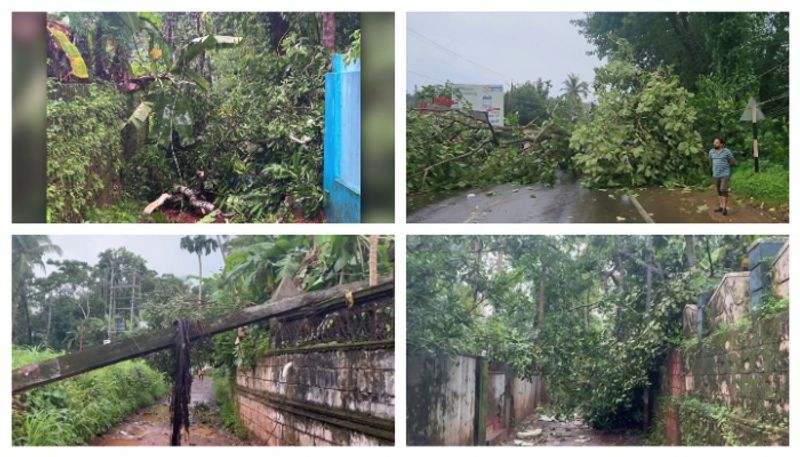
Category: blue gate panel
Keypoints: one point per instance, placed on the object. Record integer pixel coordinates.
(341, 179)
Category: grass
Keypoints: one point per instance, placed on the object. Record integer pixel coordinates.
(770, 185)
(74, 411)
(223, 384)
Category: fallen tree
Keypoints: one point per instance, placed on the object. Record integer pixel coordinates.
(457, 149)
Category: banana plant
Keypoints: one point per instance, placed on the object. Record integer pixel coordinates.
(169, 99)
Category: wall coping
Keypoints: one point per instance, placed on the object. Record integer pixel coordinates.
(780, 253)
(734, 274)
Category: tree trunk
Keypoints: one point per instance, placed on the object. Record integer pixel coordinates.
(24, 304)
(648, 259)
(539, 326)
(200, 287)
(329, 31)
(541, 298)
(373, 260)
(278, 29)
(691, 253)
(49, 322)
(201, 59)
(710, 263)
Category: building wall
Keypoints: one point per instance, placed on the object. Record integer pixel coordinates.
(334, 397)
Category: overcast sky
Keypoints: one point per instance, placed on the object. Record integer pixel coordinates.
(162, 252)
(503, 47)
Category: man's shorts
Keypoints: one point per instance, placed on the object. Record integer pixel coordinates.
(723, 184)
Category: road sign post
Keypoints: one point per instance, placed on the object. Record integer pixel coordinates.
(753, 114)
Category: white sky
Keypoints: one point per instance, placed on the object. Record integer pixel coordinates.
(162, 252)
(509, 47)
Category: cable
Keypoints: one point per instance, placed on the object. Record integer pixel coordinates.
(427, 76)
(457, 54)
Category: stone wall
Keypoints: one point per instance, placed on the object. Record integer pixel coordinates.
(730, 301)
(735, 385)
(333, 396)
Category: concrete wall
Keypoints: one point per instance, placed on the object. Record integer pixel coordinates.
(333, 397)
(527, 396)
(441, 399)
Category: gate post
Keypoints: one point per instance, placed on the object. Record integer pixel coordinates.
(675, 386)
(481, 400)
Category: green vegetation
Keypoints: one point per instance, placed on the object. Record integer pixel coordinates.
(581, 311)
(672, 82)
(641, 133)
(66, 309)
(223, 383)
(229, 105)
(84, 149)
(75, 411)
(770, 185)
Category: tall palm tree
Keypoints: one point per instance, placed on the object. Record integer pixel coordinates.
(27, 254)
(575, 89)
(200, 245)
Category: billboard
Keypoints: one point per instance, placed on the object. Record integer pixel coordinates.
(484, 97)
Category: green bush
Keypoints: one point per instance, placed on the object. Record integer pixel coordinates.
(223, 383)
(642, 131)
(74, 411)
(84, 149)
(770, 185)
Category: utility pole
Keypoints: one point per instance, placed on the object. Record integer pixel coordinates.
(753, 114)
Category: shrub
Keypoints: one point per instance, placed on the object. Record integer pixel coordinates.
(74, 411)
(84, 149)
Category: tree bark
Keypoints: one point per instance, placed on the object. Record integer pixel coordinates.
(200, 288)
(49, 322)
(278, 29)
(691, 253)
(373, 260)
(329, 31)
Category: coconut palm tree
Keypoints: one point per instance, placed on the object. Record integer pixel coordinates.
(200, 245)
(27, 254)
(575, 89)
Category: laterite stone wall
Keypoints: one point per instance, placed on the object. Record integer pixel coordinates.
(735, 386)
(334, 397)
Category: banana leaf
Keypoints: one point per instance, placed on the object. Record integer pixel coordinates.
(76, 61)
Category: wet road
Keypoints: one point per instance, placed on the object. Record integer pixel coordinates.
(542, 430)
(568, 201)
(151, 426)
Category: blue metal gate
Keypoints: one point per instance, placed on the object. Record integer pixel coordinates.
(341, 178)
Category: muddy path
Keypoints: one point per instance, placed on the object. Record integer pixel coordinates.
(568, 201)
(543, 430)
(151, 426)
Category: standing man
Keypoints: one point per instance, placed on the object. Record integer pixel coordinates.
(721, 159)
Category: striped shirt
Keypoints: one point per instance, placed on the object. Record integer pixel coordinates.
(720, 160)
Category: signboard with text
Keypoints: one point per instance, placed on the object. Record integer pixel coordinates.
(484, 97)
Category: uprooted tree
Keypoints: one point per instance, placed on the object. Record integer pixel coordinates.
(221, 111)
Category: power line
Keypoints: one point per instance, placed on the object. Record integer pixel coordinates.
(457, 54)
(427, 76)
